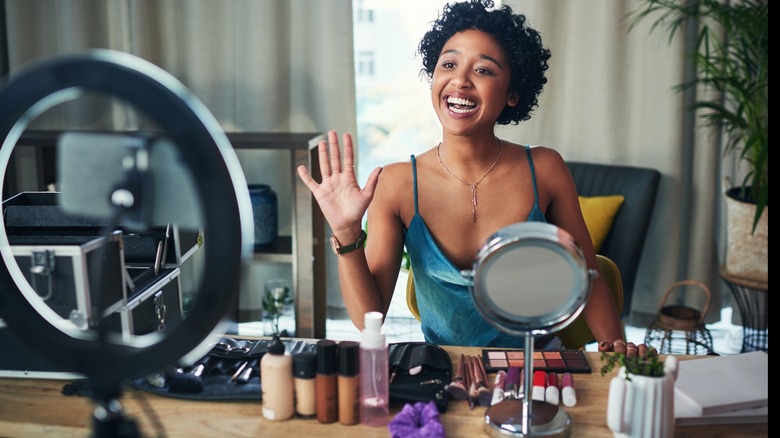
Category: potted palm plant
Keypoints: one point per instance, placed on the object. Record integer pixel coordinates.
(731, 58)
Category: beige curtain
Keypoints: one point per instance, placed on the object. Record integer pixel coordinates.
(610, 99)
(258, 65)
(278, 65)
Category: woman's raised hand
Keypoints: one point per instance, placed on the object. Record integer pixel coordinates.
(342, 201)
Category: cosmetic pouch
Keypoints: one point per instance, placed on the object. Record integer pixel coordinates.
(419, 372)
(211, 377)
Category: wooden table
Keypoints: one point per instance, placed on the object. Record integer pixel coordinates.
(35, 407)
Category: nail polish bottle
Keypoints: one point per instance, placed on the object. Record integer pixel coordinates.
(304, 372)
(326, 381)
(349, 383)
(374, 373)
(276, 380)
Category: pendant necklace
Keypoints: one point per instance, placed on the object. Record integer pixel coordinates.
(472, 186)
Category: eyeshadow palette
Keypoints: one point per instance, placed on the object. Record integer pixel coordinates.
(556, 361)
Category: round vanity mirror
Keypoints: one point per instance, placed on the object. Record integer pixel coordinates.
(187, 180)
(530, 278)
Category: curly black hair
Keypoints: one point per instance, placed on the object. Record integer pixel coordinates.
(522, 44)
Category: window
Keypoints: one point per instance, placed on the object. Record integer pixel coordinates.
(394, 115)
(363, 14)
(364, 63)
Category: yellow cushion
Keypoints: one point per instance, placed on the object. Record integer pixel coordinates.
(599, 212)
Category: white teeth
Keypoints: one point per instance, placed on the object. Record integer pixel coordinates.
(460, 101)
(460, 105)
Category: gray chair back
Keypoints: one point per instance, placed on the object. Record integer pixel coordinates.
(626, 238)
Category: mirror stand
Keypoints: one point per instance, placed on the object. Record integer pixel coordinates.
(539, 257)
(526, 417)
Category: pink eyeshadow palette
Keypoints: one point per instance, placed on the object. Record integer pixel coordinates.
(557, 361)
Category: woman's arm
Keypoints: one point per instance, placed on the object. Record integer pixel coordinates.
(564, 211)
(367, 275)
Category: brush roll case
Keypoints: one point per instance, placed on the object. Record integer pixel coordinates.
(216, 382)
(419, 372)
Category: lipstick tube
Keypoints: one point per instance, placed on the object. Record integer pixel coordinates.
(552, 393)
(540, 382)
(567, 393)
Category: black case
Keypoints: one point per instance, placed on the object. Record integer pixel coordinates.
(59, 270)
(419, 372)
(54, 249)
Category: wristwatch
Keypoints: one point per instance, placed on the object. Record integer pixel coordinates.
(340, 249)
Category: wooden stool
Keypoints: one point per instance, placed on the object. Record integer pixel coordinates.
(680, 329)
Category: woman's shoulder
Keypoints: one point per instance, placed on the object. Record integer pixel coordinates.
(403, 169)
(396, 169)
(394, 176)
(542, 156)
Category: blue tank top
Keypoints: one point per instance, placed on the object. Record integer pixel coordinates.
(448, 313)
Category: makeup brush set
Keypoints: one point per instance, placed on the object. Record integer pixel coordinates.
(229, 371)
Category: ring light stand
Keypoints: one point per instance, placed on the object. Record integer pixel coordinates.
(555, 281)
(220, 185)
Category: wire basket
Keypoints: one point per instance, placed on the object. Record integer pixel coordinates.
(680, 329)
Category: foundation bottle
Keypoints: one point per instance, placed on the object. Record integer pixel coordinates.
(276, 379)
(349, 383)
(374, 373)
(304, 371)
(326, 382)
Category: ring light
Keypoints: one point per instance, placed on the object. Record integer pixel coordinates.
(220, 185)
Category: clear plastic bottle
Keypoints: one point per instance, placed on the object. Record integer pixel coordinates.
(276, 379)
(374, 371)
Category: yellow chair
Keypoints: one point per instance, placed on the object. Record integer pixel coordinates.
(576, 334)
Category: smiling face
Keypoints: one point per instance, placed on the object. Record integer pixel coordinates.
(470, 85)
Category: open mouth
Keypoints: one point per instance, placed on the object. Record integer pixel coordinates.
(460, 105)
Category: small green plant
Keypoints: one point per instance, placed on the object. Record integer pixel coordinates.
(275, 301)
(649, 364)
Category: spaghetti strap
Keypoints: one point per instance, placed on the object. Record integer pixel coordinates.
(414, 177)
(533, 173)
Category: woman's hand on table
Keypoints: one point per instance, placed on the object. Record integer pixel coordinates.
(630, 349)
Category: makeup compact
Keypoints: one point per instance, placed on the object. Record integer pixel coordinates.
(553, 361)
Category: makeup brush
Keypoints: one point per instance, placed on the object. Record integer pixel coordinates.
(498, 387)
(457, 387)
(191, 381)
(512, 383)
(472, 379)
(247, 373)
(484, 395)
(160, 378)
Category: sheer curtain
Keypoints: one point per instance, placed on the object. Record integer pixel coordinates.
(610, 99)
(274, 65)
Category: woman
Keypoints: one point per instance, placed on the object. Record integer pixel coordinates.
(486, 67)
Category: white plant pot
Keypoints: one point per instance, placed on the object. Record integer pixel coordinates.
(643, 406)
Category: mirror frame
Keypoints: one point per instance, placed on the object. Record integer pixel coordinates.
(526, 235)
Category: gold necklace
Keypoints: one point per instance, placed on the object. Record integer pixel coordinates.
(472, 186)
